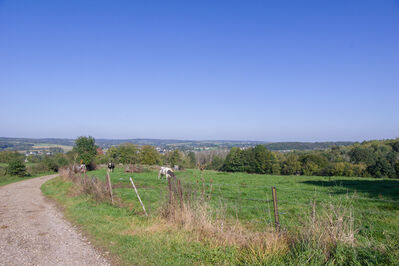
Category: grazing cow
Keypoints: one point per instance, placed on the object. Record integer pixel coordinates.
(82, 168)
(167, 172)
(111, 166)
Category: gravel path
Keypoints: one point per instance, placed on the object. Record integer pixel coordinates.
(34, 232)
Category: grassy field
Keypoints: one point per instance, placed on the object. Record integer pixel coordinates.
(128, 235)
(47, 146)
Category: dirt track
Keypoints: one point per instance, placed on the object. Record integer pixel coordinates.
(33, 231)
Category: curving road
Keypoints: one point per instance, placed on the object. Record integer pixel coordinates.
(34, 232)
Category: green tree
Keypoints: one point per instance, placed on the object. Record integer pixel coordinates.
(319, 159)
(8, 156)
(112, 155)
(175, 158)
(310, 168)
(252, 160)
(291, 165)
(191, 159)
(339, 169)
(16, 167)
(128, 153)
(233, 161)
(359, 169)
(395, 145)
(86, 149)
(260, 161)
(362, 154)
(149, 155)
(216, 163)
(54, 162)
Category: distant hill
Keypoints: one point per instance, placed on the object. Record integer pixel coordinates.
(20, 144)
(281, 146)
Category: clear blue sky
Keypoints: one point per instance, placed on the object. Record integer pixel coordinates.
(253, 70)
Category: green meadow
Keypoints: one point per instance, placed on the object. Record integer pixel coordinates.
(130, 237)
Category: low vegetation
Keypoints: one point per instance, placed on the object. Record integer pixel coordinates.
(226, 218)
(14, 169)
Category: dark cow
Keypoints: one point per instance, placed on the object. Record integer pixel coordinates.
(111, 166)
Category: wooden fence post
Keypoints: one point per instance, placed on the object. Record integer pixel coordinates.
(170, 191)
(276, 220)
(138, 196)
(210, 190)
(180, 191)
(110, 187)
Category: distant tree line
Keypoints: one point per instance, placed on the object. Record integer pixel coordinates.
(128, 153)
(281, 146)
(372, 158)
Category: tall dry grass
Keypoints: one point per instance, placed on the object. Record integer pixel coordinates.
(86, 185)
(327, 225)
(323, 228)
(196, 216)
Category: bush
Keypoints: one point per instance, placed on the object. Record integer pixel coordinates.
(3, 171)
(149, 155)
(16, 167)
(37, 168)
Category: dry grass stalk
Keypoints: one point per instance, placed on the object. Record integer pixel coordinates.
(328, 226)
(198, 218)
(134, 168)
(86, 185)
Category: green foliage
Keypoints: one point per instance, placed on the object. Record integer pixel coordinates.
(279, 146)
(149, 155)
(9, 156)
(362, 154)
(192, 161)
(86, 149)
(216, 163)
(53, 163)
(379, 158)
(233, 161)
(16, 167)
(175, 158)
(315, 158)
(291, 165)
(112, 155)
(126, 153)
(252, 160)
(310, 168)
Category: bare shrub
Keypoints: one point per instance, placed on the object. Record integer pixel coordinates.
(86, 185)
(134, 168)
(37, 168)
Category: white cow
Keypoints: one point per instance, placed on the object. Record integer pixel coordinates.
(82, 168)
(167, 172)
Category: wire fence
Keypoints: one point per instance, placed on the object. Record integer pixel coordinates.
(294, 201)
(299, 190)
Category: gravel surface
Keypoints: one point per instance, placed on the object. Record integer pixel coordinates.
(34, 232)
